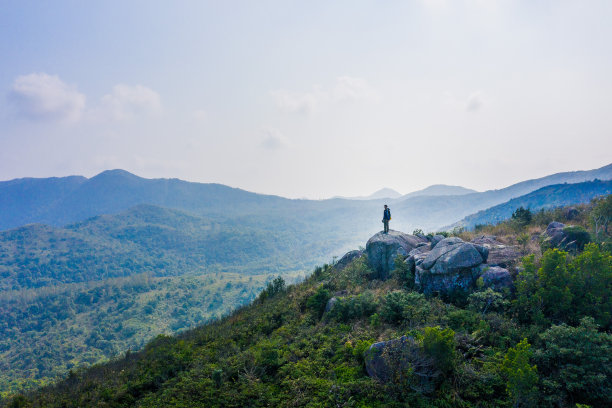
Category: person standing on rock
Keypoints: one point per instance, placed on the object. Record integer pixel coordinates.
(386, 218)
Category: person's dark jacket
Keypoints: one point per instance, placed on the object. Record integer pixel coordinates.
(387, 214)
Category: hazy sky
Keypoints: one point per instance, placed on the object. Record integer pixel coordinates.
(307, 98)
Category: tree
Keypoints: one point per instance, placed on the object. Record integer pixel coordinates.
(578, 361)
(591, 285)
(522, 216)
(439, 344)
(553, 285)
(601, 214)
(521, 377)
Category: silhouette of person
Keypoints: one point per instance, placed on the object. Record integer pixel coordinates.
(386, 218)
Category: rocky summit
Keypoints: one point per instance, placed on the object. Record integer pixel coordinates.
(382, 250)
(441, 265)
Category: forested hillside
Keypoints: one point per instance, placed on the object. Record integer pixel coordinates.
(557, 195)
(541, 340)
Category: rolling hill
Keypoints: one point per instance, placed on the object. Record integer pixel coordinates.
(557, 195)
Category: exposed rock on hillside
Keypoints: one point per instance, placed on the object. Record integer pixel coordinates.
(347, 258)
(390, 361)
(497, 278)
(566, 237)
(453, 264)
(382, 249)
(500, 254)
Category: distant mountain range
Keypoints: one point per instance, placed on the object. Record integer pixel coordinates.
(434, 190)
(557, 195)
(60, 201)
(440, 190)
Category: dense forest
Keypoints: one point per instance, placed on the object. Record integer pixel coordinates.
(81, 294)
(547, 342)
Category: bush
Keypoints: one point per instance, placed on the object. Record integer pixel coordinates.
(403, 273)
(317, 302)
(399, 306)
(578, 234)
(578, 361)
(439, 344)
(487, 301)
(355, 307)
(521, 377)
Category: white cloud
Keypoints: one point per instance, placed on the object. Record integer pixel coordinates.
(345, 89)
(41, 96)
(351, 88)
(297, 102)
(474, 102)
(127, 101)
(273, 140)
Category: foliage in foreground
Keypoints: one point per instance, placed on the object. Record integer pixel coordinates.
(285, 350)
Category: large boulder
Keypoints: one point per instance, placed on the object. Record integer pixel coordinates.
(347, 259)
(401, 361)
(500, 254)
(382, 250)
(566, 237)
(435, 239)
(554, 235)
(497, 278)
(452, 265)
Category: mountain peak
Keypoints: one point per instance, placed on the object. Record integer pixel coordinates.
(115, 173)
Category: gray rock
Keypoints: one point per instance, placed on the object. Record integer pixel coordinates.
(395, 360)
(483, 251)
(554, 235)
(382, 249)
(444, 246)
(416, 257)
(499, 254)
(347, 259)
(330, 304)
(435, 239)
(452, 265)
(554, 225)
(497, 278)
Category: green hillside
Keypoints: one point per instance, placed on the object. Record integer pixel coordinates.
(548, 343)
(557, 195)
(84, 293)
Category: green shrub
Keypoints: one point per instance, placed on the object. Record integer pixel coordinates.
(486, 301)
(317, 302)
(521, 377)
(578, 234)
(578, 363)
(403, 273)
(356, 307)
(439, 344)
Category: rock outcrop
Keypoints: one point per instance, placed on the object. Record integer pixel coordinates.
(382, 250)
(554, 235)
(566, 237)
(497, 278)
(347, 259)
(452, 265)
(401, 361)
(500, 254)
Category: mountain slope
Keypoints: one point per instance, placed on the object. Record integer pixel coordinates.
(440, 190)
(149, 239)
(430, 213)
(290, 349)
(557, 195)
(75, 199)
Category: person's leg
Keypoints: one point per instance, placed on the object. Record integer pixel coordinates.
(386, 225)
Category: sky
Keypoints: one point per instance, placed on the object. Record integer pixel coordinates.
(307, 98)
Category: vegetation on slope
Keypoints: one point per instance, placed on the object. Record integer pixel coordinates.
(547, 344)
